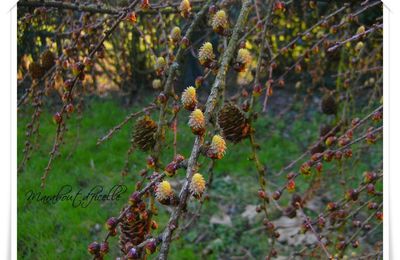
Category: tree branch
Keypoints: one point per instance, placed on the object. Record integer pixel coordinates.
(217, 89)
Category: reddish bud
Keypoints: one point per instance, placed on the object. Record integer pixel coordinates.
(170, 169)
(145, 4)
(135, 199)
(371, 189)
(330, 140)
(261, 194)
(341, 245)
(369, 177)
(332, 206)
(185, 42)
(377, 116)
(328, 155)
(150, 162)
(290, 175)
(162, 98)
(57, 118)
(305, 168)
(68, 84)
(297, 68)
(281, 82)
(276, 195)
(199, 81)
(257, 90)
(104, 248)
(132, 17)
(151, 246)
(318, 166)
(70, 108)
(355, 243)
(338, 155)
(94, 248)
(372, 205)
(111, 223)
(291, 185)
(212, 9)
(348, 153)
(321, 221)
(352, 194)
(154, 224)
(355, 121)
(316, 157)
(379, 215)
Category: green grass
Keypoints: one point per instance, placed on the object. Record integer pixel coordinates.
(63, 232)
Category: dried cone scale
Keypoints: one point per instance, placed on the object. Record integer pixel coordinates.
(328, 105)
(144, 131)
(134, 227)
(233, 123)
(35, 70)
(48, 59)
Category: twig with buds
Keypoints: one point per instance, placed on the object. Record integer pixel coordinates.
(216, 90)
(128, 118)
(355, 37)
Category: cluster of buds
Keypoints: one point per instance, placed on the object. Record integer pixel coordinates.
(132, 17)
(38, 69)
(371, 137)
(352, 194)
(361, 29)
(279, 7)
(377, 116)
(145, 4)
(206, 54)
(171, 168)
(197, 122)
(189, 98)
(47, 59)
(185, 8)
(156, 84)
(175, 34)
(243, 60)
(160, 65)
(359, 46)
(291, 185)
(78, 70)
(111, 225)
(98, 250)
(257, 90)
(370, 177)
(217, 147)
(197, 185)
(305, 168)
(219, 22)
(165, 194)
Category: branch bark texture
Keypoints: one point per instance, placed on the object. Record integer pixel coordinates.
(217, 88)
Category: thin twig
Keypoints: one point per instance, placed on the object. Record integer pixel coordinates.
(355, 37)
(118, 127)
